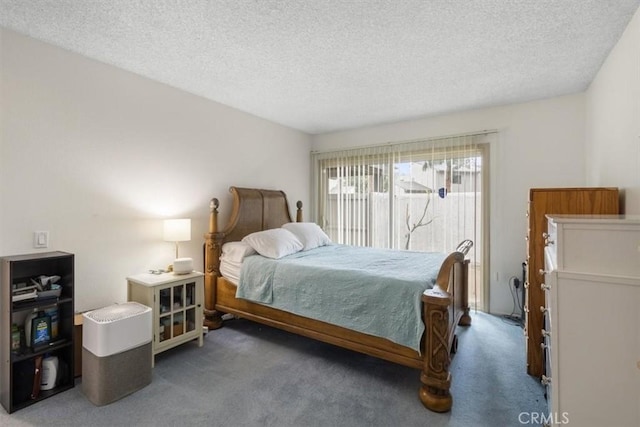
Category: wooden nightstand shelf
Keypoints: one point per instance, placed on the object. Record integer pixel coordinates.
(177, 303)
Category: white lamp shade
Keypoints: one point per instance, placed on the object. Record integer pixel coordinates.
(177, 230)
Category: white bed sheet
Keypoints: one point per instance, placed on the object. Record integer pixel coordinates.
(230, 270)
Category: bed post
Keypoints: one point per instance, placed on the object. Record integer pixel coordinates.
(212, 318)
(445, 306)
(435, 376)
(465, 320)
(299, 211)
(464, 247)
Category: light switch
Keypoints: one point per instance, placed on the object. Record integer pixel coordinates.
(40, 239)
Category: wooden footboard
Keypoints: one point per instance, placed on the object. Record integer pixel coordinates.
(444, 306)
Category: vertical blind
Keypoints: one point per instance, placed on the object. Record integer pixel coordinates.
(409, 195)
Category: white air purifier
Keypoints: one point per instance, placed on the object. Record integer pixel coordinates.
(116, 351)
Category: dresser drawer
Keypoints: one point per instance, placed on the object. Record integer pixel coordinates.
(576, 243)
(550, 238)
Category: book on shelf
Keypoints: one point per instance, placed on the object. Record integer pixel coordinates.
(22, 293)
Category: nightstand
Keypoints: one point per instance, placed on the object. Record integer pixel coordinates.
(177, 304)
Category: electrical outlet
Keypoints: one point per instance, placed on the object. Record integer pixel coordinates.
(516, 282)
(40, 239)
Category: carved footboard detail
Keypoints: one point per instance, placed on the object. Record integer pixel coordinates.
(444, 306)
(435, 377)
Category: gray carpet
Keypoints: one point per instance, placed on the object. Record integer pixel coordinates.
(251, 375)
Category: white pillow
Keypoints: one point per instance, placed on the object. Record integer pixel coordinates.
(309, 233)
(274, 243)
(236, 251)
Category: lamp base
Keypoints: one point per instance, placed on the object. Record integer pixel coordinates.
(182, 265)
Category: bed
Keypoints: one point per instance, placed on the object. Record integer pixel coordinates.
(442, 307)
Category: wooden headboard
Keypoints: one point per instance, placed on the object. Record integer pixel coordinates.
(252, 210)
(255, 210)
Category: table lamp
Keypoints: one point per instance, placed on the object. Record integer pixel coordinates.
(179, 230)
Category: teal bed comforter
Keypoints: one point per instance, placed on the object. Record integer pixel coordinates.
(374, 291)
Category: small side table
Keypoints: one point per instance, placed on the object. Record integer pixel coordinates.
(177, 304)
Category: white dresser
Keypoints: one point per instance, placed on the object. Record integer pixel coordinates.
(592, 320)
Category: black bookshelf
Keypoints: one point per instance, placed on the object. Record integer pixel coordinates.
(24, 362)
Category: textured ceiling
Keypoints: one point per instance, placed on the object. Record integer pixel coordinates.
(326, 65)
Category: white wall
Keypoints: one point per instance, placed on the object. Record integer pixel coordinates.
(540, 144)
(3, 133)
(98, 156)
(613, 120)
